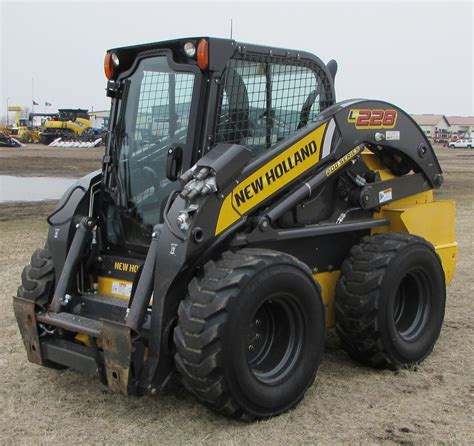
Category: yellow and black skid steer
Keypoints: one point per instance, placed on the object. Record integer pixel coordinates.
(240, 213)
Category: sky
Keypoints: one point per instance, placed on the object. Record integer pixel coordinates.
(417, 55)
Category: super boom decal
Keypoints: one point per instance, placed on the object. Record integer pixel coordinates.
(343, 161)
(271, 177)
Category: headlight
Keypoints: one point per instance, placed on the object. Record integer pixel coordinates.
(190, 49)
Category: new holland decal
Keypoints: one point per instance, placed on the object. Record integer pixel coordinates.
(372, 119)
(274, 173)
(271, 177)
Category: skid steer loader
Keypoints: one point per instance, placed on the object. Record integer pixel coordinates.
(240, 213)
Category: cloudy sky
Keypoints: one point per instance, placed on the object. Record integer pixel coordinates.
(418, 55)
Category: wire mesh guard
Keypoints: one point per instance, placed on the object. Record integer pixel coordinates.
(265, 99)
(163, 109)
(164, 105)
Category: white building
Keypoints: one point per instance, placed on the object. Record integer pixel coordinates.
(99, 118)
(435, 127)
(461, 125)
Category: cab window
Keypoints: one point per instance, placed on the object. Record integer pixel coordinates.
(262, 103)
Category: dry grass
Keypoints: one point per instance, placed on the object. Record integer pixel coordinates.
(348, 403)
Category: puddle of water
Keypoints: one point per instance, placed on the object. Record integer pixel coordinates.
(32, 188)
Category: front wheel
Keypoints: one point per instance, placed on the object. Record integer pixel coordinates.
(37, 279)
(390, 300)
(251, 333)
(37, 284)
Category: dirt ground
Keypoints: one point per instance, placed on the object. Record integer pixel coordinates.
(349, 403)
(43, 161)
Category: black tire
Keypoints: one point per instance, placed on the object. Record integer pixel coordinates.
(251, 333)
(37, 284)
(37, 279)
(390, 300)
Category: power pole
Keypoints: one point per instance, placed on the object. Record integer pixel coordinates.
(7, 111)
(33, 93)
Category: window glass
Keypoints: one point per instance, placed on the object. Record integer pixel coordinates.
(156, 115)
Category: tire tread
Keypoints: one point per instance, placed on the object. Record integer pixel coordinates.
(358, 293)
(203, 314)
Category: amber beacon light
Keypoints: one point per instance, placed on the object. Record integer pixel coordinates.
(203, 54)
(111, 62)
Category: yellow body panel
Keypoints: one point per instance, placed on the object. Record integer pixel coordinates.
(83, 121)
(374, 163)
(328, 281)
(421, 215)
(434, 221)
(78, 126)
(109, 287)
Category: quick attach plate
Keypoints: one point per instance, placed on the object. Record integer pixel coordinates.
(117, 345)
(26, 317)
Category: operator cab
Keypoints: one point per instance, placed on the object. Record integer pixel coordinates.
(173, 101)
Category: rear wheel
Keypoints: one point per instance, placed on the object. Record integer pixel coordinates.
(390, 300)
(251, 333)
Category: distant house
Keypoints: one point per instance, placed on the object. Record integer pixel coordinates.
(461, 125)
(435, 127)
(99, 118)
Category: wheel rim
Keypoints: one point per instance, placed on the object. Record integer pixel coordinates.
(412, 305)
(275, 338)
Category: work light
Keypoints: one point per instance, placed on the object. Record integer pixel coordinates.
(190, 49)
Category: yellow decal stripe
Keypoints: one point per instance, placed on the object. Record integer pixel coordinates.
(270, 178)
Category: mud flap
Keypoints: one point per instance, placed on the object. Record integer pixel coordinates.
(26, 317)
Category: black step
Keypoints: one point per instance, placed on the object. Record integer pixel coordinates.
(98, 306)
(67, 353)
(71, 322)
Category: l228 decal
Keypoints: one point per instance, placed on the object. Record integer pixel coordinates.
(372, 119)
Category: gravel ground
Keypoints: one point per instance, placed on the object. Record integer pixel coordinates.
(349, 403)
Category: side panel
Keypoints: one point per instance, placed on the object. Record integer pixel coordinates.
(327, 281)
(73, 203)
(420, 214)
(434, 221)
